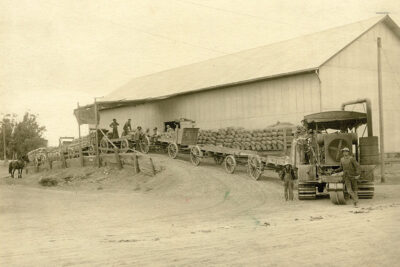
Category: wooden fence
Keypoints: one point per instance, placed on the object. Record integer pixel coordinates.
(138, 161)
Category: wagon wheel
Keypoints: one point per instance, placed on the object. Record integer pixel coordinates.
(255, 167)
(124, 146)
(195, 155)
(230, 164)
(71, 153)
(91, 151)
(104, 145)
(173, 150)
(145, 144)
(218, 159)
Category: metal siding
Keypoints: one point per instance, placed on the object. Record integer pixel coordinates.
(352, 74)
(252, 105)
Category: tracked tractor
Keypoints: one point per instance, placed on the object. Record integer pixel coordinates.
(317, 150)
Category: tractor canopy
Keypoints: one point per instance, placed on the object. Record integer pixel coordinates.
(337, 120)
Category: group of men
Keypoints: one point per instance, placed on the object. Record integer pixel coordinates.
(128, 128)
(349, 166)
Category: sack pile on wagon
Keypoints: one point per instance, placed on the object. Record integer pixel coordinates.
(267, 139)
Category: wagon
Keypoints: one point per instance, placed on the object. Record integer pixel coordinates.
(180, 139)
(230, 157)
(133, 141)
(41, 155)
(86, 143)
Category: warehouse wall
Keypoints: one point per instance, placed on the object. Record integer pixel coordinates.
(253, 105)
(352, 74)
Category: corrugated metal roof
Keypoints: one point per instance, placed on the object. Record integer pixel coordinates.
(305, 53)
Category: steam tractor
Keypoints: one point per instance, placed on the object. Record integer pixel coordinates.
(317, 151)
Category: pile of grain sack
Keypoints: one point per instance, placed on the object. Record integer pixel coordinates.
(268, 139)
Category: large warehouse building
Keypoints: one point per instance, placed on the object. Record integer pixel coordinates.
(278, 82)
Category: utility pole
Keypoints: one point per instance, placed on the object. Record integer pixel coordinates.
(381, 131)
(97, 134)
(80, 141)
(4, 142)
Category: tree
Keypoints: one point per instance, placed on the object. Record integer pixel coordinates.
(27, 135)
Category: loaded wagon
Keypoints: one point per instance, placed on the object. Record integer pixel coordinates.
(236, 146)
(86, 143)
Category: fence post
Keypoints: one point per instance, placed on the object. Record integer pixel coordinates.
(136, 163)
(153, 169)
(81, 157)
(118, 159)
(63, 160)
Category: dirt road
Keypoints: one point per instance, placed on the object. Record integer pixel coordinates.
(194, 217)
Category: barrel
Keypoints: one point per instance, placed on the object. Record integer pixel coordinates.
(369, 150)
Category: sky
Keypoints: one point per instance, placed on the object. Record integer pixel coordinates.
(56, 53)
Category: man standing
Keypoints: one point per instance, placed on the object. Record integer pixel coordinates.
(138, 137)
(114, 126)
(351, 172)
(127, 127)
(287, 176)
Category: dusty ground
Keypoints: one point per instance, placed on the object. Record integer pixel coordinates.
(191, 216)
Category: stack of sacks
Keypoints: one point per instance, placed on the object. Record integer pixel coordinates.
(267, 139)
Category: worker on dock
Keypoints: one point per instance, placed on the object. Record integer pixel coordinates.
(114, 125)
(351, 172)
(127, 128)
(287, 176)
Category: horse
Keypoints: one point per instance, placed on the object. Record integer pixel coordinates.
(17, 165)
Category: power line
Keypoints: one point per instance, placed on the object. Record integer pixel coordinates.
(165, 37)
(235, 12)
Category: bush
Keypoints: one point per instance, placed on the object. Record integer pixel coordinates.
(48, 181)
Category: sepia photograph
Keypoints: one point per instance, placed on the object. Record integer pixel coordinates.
(199, 133)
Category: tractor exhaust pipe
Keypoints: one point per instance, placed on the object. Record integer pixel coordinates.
(369, 111)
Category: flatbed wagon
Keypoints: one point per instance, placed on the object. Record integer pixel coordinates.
(232, 157)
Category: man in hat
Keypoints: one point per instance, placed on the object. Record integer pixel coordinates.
(351, 172)
(138, 137)
(127, 127)
(114, 126)
(287, 176)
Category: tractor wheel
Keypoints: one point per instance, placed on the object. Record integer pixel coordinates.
(230, 164)
(173, 150)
